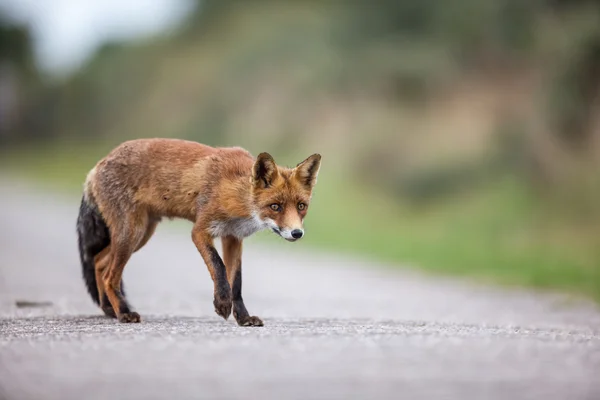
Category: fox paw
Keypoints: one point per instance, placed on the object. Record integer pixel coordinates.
(249, 321)
(130, 317)
(223, 307)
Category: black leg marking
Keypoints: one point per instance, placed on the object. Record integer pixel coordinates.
(125, 313)
(123, 306)
(239, 308)
(107, 307)
(222, 300)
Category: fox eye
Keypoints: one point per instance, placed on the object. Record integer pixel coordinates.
(301, 206)
(275, 207)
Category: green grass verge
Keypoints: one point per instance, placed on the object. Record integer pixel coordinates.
(499, 234)
(496, 235)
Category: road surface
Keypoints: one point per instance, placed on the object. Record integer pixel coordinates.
(335, 327)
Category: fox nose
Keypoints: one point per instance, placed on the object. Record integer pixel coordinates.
(297, 233)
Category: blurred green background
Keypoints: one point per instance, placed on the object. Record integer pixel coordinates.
(460, 137)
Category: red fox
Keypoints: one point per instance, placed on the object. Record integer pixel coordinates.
(225, 192)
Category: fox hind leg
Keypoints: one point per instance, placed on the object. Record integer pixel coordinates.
(112, 284)
(124, 242)
(101, 262)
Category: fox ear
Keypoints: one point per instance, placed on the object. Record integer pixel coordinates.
(306, 172)
(264, 170)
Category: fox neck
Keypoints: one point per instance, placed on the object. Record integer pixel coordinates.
(238, 210)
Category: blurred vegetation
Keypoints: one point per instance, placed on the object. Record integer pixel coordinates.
(460, 139)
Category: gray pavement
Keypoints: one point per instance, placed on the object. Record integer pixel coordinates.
(336, 327)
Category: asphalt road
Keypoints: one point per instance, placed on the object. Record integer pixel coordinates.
(335, 327)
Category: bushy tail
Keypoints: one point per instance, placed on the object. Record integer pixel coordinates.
(93, 237)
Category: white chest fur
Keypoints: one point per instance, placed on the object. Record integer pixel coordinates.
(238, 227)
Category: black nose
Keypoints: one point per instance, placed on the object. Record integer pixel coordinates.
(297, 233)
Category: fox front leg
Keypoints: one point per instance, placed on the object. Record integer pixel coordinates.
(222, 290)
(232, 254)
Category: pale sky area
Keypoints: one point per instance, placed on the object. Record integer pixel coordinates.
(67, 32)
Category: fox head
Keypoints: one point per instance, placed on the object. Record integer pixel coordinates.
(282, 195)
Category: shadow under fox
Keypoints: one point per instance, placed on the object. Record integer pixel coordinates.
(225, 192)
